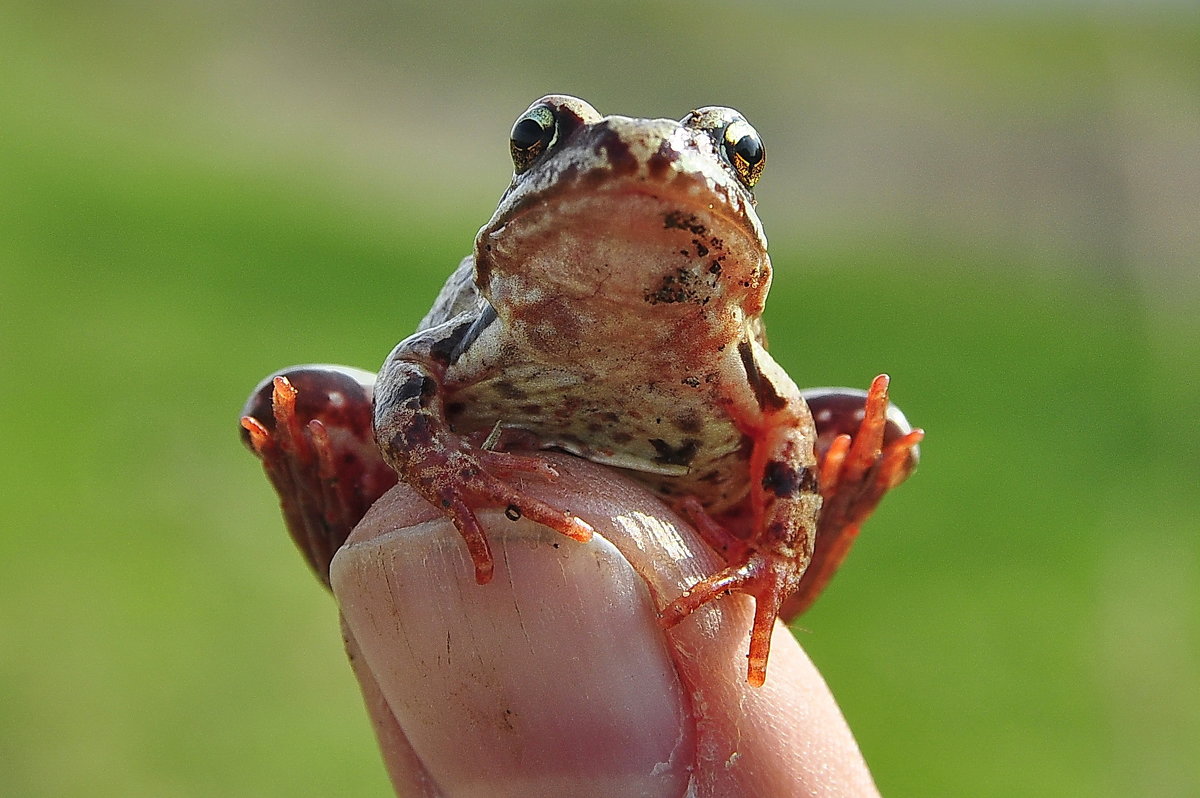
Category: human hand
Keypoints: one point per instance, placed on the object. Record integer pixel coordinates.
(556, 678)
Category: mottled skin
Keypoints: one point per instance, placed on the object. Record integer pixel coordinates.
(612, 309)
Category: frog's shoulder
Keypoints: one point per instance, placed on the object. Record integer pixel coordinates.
(459, 295)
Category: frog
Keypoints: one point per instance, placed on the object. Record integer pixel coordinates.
(611, 308)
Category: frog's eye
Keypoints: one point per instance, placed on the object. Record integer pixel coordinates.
(745, 151)
(532, 134)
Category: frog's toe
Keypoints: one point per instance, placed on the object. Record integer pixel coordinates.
(853, 428)
(476, 487)
(768, 579)
(473, 535)
(507, 462)
(519, 505)
(311, 427)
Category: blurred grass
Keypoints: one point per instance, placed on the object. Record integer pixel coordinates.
(1021, 619)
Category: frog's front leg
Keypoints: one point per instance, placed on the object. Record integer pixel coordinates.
(454, 472)
(784, 502)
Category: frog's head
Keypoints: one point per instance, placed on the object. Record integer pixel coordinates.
(610, 219)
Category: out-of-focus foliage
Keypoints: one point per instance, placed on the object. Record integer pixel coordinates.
(997, 206)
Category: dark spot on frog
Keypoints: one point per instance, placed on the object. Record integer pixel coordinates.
(622, 437)
(764, 392)
(689, 423)
(777, 531)
(660, 162)
(531, 409)
(448, 349)
(679, 220)
(714, 268)
(701, 250)
(510, 391)
(691, 382)
(610, 417)
(712, 476)
(567, 118)
(745, 447)
(682, 455)
(455, 409)
(417, 432)
(618, 154)
(682, 286)
(786, 481)
(416, 391)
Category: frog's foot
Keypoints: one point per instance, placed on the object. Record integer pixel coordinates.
(311, 427)
(865, 447)
(768, 578)
(469, 478)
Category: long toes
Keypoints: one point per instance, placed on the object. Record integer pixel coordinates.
(523, 463)
(719, 584)
(498, 493)
(562, 522)
(474, 536)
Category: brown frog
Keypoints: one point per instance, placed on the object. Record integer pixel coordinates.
(611, 309)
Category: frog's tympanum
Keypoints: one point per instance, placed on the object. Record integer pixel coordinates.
(611, 308)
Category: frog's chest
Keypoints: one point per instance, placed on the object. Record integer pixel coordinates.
(673, 432)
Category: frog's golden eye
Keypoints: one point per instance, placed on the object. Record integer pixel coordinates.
(532, 134)
(745, 151)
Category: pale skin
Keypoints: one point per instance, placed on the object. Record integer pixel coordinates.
(785, 738)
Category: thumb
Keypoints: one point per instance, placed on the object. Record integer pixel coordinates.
(555, 678)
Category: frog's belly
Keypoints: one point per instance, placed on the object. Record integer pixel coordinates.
(678, 442)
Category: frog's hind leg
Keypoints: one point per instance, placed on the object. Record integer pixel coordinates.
(865, 447)
(783, 506)
(311, 427)
(766, 576)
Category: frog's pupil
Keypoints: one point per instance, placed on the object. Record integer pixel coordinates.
(749, 149)
(527, 133)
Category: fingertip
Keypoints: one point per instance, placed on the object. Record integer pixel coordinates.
(552, 680)
(558, 677)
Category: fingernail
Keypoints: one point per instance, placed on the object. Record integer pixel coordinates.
(554, 679)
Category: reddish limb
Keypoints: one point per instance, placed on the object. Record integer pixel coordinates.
(451, 471)
(865, 449)
(784, 503)
(311, 427)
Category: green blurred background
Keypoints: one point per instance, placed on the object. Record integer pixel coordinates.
(998, 204)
